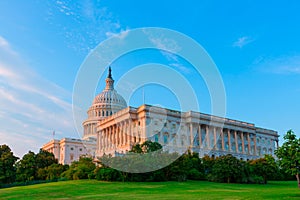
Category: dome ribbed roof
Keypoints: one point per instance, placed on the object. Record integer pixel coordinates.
(110, 97)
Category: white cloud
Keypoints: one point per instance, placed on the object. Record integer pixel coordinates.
(121, 35)
(280, 65)
(165, 43)
(242, 41)
(169, 48)
(3, 42)
(6, 46)
(181, 67)
(31, 107)
(97, 22)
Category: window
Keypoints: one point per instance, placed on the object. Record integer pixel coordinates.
(80, 149)
(156, 137)
(72, 148)
(166, 138)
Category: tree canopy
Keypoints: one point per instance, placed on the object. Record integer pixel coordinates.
(7, 165)
(289, 155)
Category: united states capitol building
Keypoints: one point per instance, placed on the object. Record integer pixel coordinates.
(113, 128)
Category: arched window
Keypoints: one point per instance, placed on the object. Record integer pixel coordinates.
(166, 137)
(156, 138)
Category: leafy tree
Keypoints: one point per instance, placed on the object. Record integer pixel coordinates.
(7, 165)
(82, 169)
(28, 166)
(107, 174)
(226, 169)
(51, 172)
(149, 146)
(136, 149)
(146, 147)
(289, 155)
(207, 163)
(44, 159)
(264, 167)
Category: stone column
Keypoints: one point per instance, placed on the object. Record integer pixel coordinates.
(200, 135)
(129, 133)
(254, 144)
(229, 139)
(99, 139)
(222, 138)
(207, 137)
(243, 142)
(105, 139)
(215, 138)
(123, 131)
(249, 143)
(191, 135)
(110, 136)
(236, 142)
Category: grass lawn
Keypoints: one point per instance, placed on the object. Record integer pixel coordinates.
(92, 189)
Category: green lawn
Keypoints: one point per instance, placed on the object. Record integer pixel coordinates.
(92, 189)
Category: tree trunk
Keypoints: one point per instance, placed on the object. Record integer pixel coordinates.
(265, 179)
(298, 180)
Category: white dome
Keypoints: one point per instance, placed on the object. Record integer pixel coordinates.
(110, 97)
(105, 104)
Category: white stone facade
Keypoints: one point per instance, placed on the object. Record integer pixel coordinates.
(179, 131)
(113, 128)
(68, 150)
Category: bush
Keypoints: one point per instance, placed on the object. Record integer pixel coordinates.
(107, 174)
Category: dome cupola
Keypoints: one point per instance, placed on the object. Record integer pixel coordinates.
(104, 104)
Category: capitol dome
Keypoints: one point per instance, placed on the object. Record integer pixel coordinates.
(104, 104)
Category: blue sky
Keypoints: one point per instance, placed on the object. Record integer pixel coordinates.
(255, 45)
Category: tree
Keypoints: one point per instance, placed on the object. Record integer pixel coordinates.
(51, 172)
(7, 165)
(27, 168)
(82, 169)
(226, 169)
(289, 155)
(264, 167)
(44, 159)
(147, 147)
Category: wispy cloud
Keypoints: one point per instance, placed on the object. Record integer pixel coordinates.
(285, 65)
(91, 23)
(242, 41)
(168, 46)
(6, 46)
(121, 34)
(31, 107)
